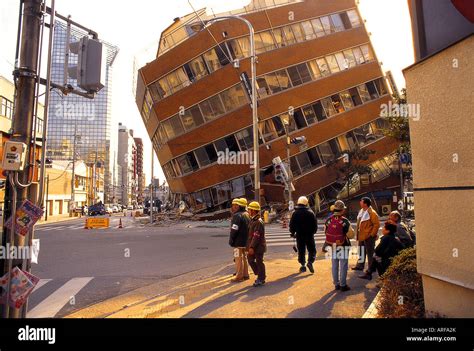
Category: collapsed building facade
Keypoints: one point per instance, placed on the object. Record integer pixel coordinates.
(316, 69)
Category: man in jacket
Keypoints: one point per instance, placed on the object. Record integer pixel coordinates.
(238, 239)
(303, 226)
(256, 244)
(368, 225)
(388, 248)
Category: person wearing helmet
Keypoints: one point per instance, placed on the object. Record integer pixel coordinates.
(256, 244)
(239, 230)
(303, 226)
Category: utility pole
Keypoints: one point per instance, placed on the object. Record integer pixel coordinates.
(26, 76)
(47, 198)
(151, 185)
(73, 180)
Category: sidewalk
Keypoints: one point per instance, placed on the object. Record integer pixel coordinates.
(56, 219)
(287, 294)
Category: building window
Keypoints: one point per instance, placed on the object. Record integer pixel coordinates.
(323, 67)
(337, 22)
(212, 108)
(188, 163)
(264, 42)
(295, 167)
(314, 70)
(245, 139)
(354, 18)
(298, 32)
(299, 74)
(192, 118)
(206, 155)
(372, 90)
(359, 57)
(337, 103)
(320, 112)
(364, 93)
(299, 119)
(328, 107)
(329, 150)
(304, 162)
(332, 63)
(380, 84)
(367, 52)
(308, 30)
(318, 27)
(363, 135)
(227, 143)
(314, 157)
(327, 26)
(240, 47)
(173, 127)
(212, 60)
(6, 108)
(196, 69)
(309, 114)
(268, 130)
(346, 99)
(355, 96)
(345, 20)
(350, 58)
(342, 62)
(234, 97)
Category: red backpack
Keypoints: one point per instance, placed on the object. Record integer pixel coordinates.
(334, 231)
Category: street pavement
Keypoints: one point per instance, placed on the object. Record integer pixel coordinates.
(80, 267)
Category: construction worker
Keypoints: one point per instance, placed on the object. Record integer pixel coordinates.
(256, 243)
(303, 227)
(239, 231)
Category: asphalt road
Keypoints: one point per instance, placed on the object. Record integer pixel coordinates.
(80, 267)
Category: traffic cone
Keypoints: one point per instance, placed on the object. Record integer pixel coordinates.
(85, 224)
(120, 224)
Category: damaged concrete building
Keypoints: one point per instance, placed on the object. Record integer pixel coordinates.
(316, 69)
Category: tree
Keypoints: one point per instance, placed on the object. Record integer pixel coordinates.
(397, 120)
(354, 164)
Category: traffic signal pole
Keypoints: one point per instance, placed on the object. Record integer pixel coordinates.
(26, 77)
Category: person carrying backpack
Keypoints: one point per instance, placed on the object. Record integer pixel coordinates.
(303, 226)
(337, 226)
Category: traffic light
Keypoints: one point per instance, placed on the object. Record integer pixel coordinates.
(91, 67)
(281, 173)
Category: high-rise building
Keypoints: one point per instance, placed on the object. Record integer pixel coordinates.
(317, 73)
(126, 158)
(88, 122)
(140, 174)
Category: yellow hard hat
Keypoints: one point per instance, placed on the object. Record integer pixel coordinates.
(303, 200)
(254, 206)
(240, 202)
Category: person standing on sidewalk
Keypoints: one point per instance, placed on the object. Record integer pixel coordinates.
(303, 226)
(238, 239)
(389, 247)
(368, 225)
(337, 226)
(256, 244)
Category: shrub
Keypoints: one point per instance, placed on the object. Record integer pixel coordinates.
(401, 295)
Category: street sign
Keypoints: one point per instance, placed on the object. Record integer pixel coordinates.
(97, 223)
(291, 205)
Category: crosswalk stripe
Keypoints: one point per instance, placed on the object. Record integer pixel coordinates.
(41, 283)
(50, 306)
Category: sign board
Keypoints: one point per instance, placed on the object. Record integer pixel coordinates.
(14, 156)
(405, 158)
(97, 223)
(26, 217)
(291, 205)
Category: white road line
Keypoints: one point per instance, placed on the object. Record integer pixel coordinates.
(50, 306)
(41, 283)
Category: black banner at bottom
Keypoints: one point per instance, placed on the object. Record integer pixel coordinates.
(61, 334)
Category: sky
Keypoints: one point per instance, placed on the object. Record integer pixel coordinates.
(135, 27)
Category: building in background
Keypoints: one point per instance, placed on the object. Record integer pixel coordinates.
(141, 182)
(316, 70)
(440, 84)
(7, 96)
(126, 158)
(58, 184)
(76, 118)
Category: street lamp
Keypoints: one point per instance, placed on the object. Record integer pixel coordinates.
(199, 26)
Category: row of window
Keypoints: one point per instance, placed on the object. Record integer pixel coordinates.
(268, 84)
(324, 153)
(239, 48)
(323, 109)
(273, 128)
(300, 164)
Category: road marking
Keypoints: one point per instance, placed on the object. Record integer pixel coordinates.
(50, 306)
(41, 283)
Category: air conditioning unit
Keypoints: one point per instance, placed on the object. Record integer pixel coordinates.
(386, 209)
